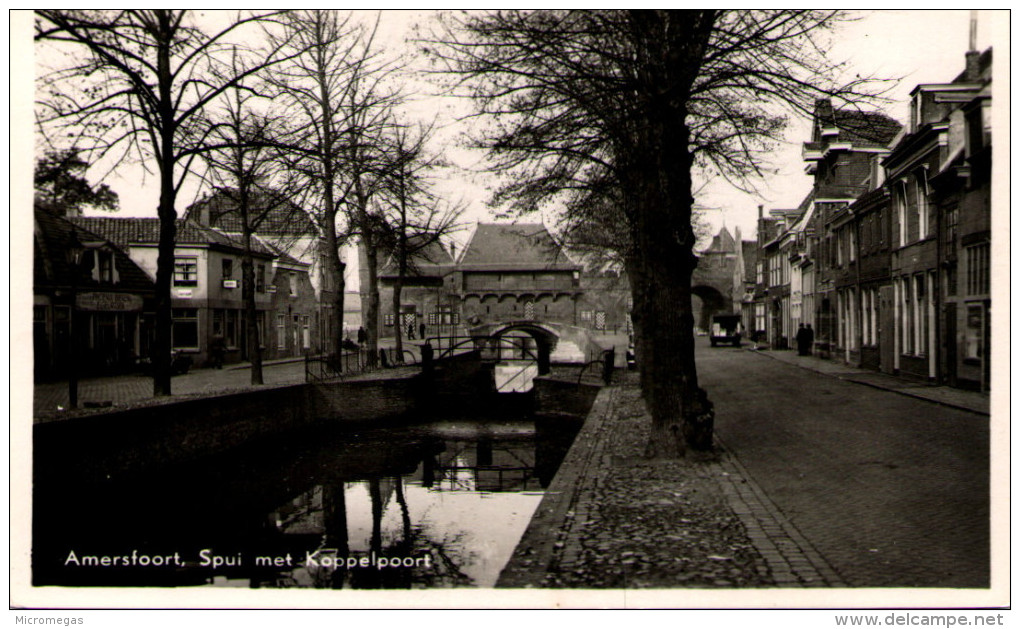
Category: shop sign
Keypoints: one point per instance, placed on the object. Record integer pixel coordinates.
(109, 302)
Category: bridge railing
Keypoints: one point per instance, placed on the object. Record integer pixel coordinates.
(353, 362)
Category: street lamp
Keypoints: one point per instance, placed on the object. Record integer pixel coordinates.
(74, 252)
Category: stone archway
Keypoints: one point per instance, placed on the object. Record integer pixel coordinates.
(710, 302)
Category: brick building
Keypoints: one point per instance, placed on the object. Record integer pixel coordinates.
(942, 232)
(206, 289)
(113, 311)
(514, 272)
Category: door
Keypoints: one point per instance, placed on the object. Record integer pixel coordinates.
(886, 328)
(950, 344)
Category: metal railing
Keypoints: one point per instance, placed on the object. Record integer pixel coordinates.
(354, 362)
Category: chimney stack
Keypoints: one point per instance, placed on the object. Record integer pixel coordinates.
(761, 211)
(973, 67)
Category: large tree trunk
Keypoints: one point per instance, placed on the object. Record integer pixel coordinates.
(251, 327)
(370, 300)
(657, 169)
(161, 363)
(335, 278)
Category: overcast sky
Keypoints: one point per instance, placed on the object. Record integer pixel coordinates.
(918, 46)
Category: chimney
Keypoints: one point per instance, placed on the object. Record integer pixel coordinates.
(761, 211)
(973, 57)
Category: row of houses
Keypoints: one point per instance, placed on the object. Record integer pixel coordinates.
(887, 258)
(505, 273)
(110, 292)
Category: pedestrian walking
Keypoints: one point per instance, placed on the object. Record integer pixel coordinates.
(362, 335)
(810, 340)
(410, 331)
(421, 330)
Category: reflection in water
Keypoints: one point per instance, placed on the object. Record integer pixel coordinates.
(439, 504)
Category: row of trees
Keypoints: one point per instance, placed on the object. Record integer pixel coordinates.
(611, 114)
(306, 116)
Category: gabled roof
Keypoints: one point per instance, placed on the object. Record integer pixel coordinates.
(722, 242)
(430, 260)
(514, 247)
(273, 215)
(124, 232)
(51, 239)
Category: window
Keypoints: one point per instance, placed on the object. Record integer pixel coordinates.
(586, 317)
(228, 268)
(388, 319)
(600, 320)
(104, 270)
(908, 316)
(920, 315)
(260, 278)
(281, 331)
(306, 337)
(900, 201)
(529, 310)
(186, 271)
(978, 277)
(185, 328)
(973, 332)
(921, 191)
(293, 284)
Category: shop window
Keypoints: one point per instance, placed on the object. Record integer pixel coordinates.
(185, 328)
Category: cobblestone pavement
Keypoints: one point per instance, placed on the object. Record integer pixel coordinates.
(892, 490)
(615, 519)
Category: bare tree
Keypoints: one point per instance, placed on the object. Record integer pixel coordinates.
(134, 88)
(622, 107)
(417, 219)
(250, 184)
(332, 88)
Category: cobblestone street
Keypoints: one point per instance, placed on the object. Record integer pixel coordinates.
(819, 482)
(892, 490)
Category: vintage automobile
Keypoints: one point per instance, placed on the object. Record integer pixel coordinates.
(726, 328)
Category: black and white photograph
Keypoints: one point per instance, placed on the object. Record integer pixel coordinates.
(499, 308)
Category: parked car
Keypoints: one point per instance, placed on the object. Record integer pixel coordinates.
(726, 328)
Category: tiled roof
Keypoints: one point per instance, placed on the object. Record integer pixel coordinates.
(124, 232)
(272, 214)
(431, 260)
(52, 236)
(516, 247)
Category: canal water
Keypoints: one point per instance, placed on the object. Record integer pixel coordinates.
(438, 504)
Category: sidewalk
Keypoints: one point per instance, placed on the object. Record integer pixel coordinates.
(50, 398)
(614, 519)
(947, 396)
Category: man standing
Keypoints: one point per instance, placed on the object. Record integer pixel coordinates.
(802, 340)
